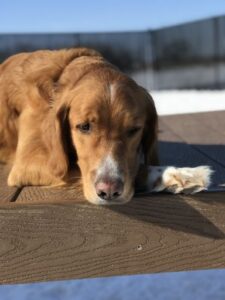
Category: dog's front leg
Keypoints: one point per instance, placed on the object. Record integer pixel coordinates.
(30, 163)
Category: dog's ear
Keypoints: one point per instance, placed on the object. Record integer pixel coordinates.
(54, 138)
(148, 146)
(149, 138)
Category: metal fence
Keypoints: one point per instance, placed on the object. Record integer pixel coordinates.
(190, 55)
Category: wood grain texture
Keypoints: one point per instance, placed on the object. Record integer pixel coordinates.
(34, 194)
(7, 193)
(151, 234)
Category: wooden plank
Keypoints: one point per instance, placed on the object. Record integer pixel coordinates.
(195, 142)
(158, 233)
(215, 120)
(175, 151)
(71, 193)
(198, 132)
(155, 233)
(7, 194)
(46, 195)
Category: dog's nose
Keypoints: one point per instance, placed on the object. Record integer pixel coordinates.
(109, 190)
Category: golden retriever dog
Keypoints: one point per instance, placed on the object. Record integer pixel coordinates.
(71, 107)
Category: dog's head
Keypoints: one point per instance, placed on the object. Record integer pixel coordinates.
(112, 123)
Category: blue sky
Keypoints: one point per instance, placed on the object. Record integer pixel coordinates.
(101, 15)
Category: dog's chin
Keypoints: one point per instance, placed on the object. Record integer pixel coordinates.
(94, 199)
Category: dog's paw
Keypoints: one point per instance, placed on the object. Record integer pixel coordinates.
(14, 178)
(180, 180)
(21, 176)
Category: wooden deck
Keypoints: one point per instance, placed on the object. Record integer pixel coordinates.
(49, 234)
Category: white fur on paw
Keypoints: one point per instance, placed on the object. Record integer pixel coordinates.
(179, 180)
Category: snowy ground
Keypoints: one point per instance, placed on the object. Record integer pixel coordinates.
(171, 286)
(199, 285)
(191, 101)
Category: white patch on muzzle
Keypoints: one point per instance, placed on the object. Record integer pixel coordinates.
(109, 168)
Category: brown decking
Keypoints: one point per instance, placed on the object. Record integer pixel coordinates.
(48, 234)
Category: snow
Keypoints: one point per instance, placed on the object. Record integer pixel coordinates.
(199, 285)
(188, 101)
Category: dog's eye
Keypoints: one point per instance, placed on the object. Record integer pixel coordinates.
(132, 131)
(85, 127)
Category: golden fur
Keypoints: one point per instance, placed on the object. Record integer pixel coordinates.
(46, 97)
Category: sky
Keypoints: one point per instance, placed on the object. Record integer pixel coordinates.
(18, 16)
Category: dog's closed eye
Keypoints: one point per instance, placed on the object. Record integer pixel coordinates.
(132, 131)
